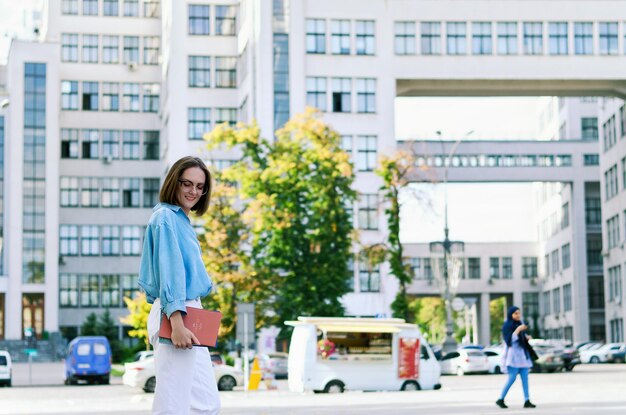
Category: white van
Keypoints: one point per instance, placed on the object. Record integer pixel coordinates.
(5, 368)
(334, 354)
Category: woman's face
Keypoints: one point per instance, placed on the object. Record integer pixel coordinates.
(191, 185)
(517, 315)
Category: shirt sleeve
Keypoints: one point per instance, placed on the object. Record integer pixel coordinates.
(168, 260)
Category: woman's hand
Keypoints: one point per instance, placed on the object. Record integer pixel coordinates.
(182, 337)
(521, 328)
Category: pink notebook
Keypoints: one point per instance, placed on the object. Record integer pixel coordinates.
(205, 324)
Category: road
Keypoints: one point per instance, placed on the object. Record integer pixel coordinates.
(590, 389)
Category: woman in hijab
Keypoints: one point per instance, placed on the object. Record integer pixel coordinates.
(516, 356)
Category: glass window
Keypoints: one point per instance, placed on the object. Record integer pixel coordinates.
(591, 159)
(89, 192)
(342, 95)
(151, 145)
(131, 240)
(69, 47)
(369, 277)
(226, 115)
(110, 96)
(566, 259)
(546, 303)
(316, 36)
(110, 49)
(340, 37)
(589, 127)
(130, 192)
(565, 215)
(404, 42)
(507, 38)
(68, 290)
(151, 97)
(200, 71)
(226, 72)
(68, 240)
(556, 300)
(365, 41)
(90, 96)
(110, 290)
(198, 19)
(608, 38)
(583, 38)
(593, 215)
(456, 38)
(110, 192)
(366, 95)
(131, 8)
(199, 123)
(90, 7)
(69, 7)
(494, 267)
(111, 144)
(226, 20)
(111, 7)
(130, 145)
(130, 99)
(481, 38)
(69, 191)
(150, 192)
(90, 144)
(554, 261)
(507, 268)
(89, 290)
(111, 239)
(69, 95)
(130, 288)
(90, 48)
(316, 92)
(533, 38)
(529, 267)
(69, 143)
(473, 268)
(367, 152)
(609, 133)
(89, 240)
(431, 38)
(557, 38)
(151, 45)
(567, 297)
(151, 8)
(131, 50)
(368, 212)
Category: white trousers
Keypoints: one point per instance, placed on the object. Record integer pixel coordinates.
(185, 380)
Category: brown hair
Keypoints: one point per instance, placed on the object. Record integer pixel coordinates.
(169, 190)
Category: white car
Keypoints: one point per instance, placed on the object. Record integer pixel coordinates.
(140, 374)
(494, 357)
(5, 368)
(599, 354)
(464, 361)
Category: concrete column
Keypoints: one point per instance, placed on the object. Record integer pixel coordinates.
(484, 324)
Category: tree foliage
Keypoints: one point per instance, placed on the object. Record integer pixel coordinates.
(430, 316)
(137, 318)
(293, 192)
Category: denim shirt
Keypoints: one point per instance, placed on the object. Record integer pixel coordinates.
(171, 262)
(515, 356)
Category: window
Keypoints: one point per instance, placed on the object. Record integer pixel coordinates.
(557, 38)
(473, 268)
(69, 191)
(226, 72)
(68, 240)
(596, 292)
(591, 159)
(546, 302)
(150, 192)
(69, 143)
(110, 240)
(342, 95)
(90, 96)
(481, 38)
(594, 249)
(350, 274)
(611, 187)
(533, 38)
(609, 133)
(69, 95)
(340, 37)
(89, 290)
(589, 127)
(90, 7)
(89, 192)
(151, 145)
(110, 192)
(567, 297)
(507, 268)
(554, 261)
(69, 7)
(529, 267)
(68, 290)
(368, 212)
(151, 97)
(69, 47)
(130, 145)
(110, 49)
(111, 7)
(367, 151)
(198, 19)
(583, 38)
(366, 95)
(613, 234)
(110, 96)
(624, 172)
(556, 300)
(131, 8)
(130, 192)
(316, 92)
(369, 277)
(565, 216)
(617, 330)
(530, 306)
(151, 45)
(507, 38)
(364, 42)
(151, 8)
(226, 115)
(316, 36)
(90, 48)
(456, 38)
(565, 256)
(130, 99)
(110, 290)
(200, 71)
(130, 288)
(89, 240)
(622, 120)
(593, 211)
(346, 144)
(90, 144)
(131, 49)
(608, 38)
(431, 38)
(199, 122)
(131, 240)
(226, 20)
(111, 144)
(404, 43)
(494, 268)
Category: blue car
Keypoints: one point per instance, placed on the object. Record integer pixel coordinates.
(89, 359)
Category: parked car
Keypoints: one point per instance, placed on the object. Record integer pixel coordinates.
(494, 357)
(89, 359)
(617, 356)
(599, 354)
(550, 359)
(275, 363)
(144, 354)
(141, 374)
(571, 358)
(464, 361)
(6, 368)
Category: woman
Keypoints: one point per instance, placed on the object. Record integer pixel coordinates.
(516, 358)
(174, 277)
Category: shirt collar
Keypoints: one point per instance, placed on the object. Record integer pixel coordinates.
(175, 208)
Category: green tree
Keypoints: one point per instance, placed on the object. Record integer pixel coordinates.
(294, 190)
(497, 310)
(430, 316)
(90, 325)
(137, 318)
(106, 327)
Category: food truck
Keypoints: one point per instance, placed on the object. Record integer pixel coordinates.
(331, 355)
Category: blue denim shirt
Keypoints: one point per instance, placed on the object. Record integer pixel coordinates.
(171, 262)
